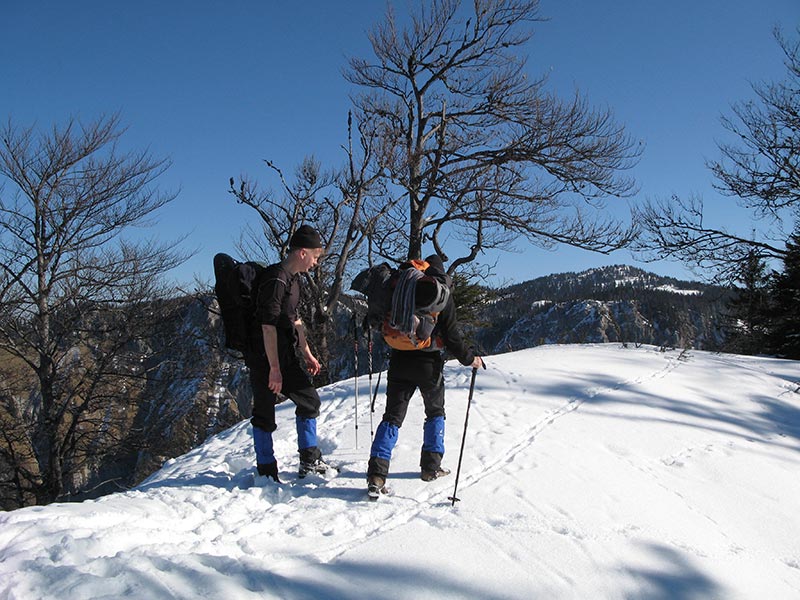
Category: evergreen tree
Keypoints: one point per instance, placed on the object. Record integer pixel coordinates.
(471, 299)
(784, 335)
(746, 315)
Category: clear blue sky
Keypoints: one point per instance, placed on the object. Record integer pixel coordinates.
(219, 86)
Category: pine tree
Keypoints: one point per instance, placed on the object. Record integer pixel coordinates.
(470, 298)
(784, 334)
(747, 315)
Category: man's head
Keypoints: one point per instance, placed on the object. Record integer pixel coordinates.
(435, 261)
(305, 248)
(305, 237)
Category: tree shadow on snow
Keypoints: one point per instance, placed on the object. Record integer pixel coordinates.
(210, 576)
(761, 417)
(672, 576)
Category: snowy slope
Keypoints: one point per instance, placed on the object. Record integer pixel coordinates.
(589, 472)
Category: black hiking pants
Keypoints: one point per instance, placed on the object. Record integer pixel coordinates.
(409, 371)
(297, 386)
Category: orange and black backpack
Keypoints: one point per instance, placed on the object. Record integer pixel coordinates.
(404, 302)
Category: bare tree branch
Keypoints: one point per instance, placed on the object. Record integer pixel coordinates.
(761, 169)
(347, 208)
(462, 128)
(75, 294)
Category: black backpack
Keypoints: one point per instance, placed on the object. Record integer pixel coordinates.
(236, 286)
(375, 284)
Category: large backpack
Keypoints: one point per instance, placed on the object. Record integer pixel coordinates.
(236, 286)
(404, 303)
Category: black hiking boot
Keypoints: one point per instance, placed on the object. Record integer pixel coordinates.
(318, 466)
(269, 470)
(431, 475)
(376, 485)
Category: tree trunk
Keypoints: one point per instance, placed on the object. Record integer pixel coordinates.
(45, 439)
(417, 221)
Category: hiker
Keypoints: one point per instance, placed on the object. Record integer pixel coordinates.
(276, 372)
(410, 370)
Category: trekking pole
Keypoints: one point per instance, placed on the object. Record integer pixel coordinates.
(369, 365)
(454, 498)
(377, 388)
(355, 360)
(372, 405)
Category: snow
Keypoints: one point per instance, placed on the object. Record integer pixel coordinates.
(674, 290)
(591, 471)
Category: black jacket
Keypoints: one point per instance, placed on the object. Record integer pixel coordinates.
(277, 301)
(448, 332)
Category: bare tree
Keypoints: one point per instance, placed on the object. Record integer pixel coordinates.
(474, 147)
(345, 206)
(75, 296)
(761, 169)
(677, 229)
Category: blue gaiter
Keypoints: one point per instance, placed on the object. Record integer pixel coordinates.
(262, 440)
(385, 440)
(433, 435)
(306, 433)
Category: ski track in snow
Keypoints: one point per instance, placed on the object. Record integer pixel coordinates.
(396, 509)
(399, 508)
(571, 405)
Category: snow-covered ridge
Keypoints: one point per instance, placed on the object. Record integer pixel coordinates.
(591, 471)
(627, 276)
(592, 282)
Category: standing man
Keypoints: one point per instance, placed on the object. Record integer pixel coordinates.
(410, 370)
(275, 368)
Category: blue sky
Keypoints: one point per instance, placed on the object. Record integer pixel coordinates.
(218, 87)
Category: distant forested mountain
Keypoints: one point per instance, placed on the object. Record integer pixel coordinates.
(609, 304)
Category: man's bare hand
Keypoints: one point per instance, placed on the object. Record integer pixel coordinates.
(312, 364)
(275, 381)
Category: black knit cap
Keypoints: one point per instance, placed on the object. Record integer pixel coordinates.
(436, 269)
(305, 237)
(435, 261)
